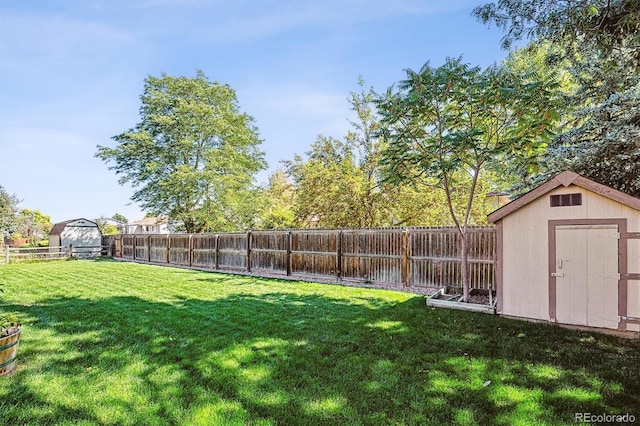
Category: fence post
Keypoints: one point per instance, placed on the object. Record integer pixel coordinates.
(133, 244)
(249, 239)
(288, 248)
(168, 243)
(190, 249)
(405, 258)
(217, 252)
(149, 248)
(339, 255)
(70, 251)
(6, 254)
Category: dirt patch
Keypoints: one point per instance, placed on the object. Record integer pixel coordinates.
(480, 299)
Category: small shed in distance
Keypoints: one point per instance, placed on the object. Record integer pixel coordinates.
(569, 253)
(83, 234)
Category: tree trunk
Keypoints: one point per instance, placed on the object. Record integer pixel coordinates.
(464, 253)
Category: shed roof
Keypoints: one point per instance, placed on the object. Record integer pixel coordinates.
(59, 227)
(565, 178)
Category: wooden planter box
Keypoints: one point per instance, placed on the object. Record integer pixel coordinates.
(443, 299)
(9, 351)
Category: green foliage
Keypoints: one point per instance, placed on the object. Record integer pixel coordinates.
(7, 319)
(609, 25)
(33, 225)
(447, 126)
(119, 218)
(606, 147)
(193, 156)
(109, 229)
(598, 43)
(325, 185)
(279, 197)
(340, 183)
(9, 212)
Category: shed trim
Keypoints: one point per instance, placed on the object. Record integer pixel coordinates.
(499, 267)
(565, 178)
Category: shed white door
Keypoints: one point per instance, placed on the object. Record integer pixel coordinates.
(587, 275)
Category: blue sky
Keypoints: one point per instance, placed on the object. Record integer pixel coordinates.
(72, 71)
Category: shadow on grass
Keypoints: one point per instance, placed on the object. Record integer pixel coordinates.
(282, 358)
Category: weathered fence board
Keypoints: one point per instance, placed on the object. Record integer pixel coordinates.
(158, 245)
(314, 253)
(180, 250)
(203, 251)
(434, 257)
(141, 247)
(127, 246)
(269, 252)
(414, 258)
(232, 251)
(372, 256)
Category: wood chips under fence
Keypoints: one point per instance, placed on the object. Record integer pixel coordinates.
(412, 258)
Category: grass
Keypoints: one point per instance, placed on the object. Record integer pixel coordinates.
(128, 344)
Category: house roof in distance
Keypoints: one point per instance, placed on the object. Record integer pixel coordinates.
(150, 221)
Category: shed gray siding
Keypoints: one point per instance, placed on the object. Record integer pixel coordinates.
(84, 235)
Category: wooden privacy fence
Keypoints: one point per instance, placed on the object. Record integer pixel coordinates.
(415, 258)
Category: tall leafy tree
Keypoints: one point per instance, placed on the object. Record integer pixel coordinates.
(33, 225)
(279, 196)
(341, 182)
(326, 184)
(600, 42)
(9, 212)
(372, 196)
(608, 24)
(447, 126)
(193, 156)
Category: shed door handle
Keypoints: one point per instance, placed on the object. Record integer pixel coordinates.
(557, 274)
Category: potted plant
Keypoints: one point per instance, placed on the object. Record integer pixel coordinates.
(10, 329)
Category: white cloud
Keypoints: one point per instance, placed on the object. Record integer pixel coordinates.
(57, 37)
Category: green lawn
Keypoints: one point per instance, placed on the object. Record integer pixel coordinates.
(120, 343)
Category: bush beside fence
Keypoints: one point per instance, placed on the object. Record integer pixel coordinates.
(411, 258)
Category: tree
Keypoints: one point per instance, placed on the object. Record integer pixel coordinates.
(9, 211)
(373, 197)
(325, 185)
(606, 147)
(33, 225)
(341, 183)
(599, 41)
(120, 218)
(279, 196)
(193, 156)
(105, 227)
(608, 24)
(447, 126)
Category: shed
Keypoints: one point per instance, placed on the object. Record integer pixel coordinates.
(568, 252)
(84, 235)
